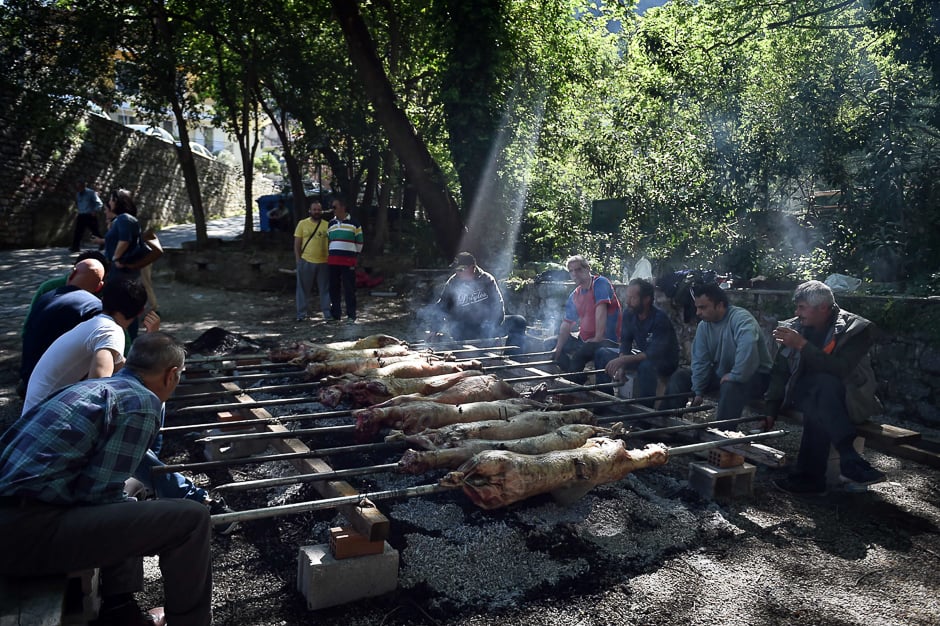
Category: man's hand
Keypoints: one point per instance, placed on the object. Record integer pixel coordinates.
(614, 368)
(696, 401)
(768, 424)
(725, 378)
(151, 322)
(789, 338)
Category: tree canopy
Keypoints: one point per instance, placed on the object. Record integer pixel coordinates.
(788, 139)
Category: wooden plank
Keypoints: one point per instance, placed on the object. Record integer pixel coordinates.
(891, 435)
(365, 518)
(32, 601)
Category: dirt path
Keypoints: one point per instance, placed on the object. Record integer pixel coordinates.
(645, 550)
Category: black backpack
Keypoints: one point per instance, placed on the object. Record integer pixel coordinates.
(678, 287)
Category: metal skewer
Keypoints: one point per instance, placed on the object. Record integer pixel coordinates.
(243, 377)
(255, 421)
(232, 392)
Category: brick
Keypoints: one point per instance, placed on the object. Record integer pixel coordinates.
(723, 458)
(346, 543)
(325, 581)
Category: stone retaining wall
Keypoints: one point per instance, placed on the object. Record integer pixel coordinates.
(37, 189)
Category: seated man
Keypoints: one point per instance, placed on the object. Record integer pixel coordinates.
(823, 369)
(594, 308)
(729, 355)
(471, 307)
(648, 344)
(95, 349)
(60, 310)
(62, 502)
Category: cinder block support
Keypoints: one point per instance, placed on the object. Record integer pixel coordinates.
(722, 483)
(325, 581)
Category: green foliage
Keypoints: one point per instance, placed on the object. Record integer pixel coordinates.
(267, 164)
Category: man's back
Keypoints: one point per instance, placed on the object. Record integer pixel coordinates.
(68, 360)
(54, 314)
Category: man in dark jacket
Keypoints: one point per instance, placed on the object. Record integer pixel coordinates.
(471, 307)
(823, 369)
(648, 344)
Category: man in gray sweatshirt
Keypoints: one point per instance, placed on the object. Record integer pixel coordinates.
(729, 355)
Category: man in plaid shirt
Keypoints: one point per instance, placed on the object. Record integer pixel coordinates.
(62, 503)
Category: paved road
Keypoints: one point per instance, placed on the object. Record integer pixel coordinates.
(21, 271)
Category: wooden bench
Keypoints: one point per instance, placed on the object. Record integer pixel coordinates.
(55, 600)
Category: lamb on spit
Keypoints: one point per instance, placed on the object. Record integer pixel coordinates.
(373, 391)
(319, 369)
(497, 478)
(374, 346)
(416, 415)
(564, 438)
(527, 424)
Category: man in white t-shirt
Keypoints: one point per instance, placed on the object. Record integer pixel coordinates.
(94, 348)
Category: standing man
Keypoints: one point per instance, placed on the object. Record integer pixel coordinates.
(823, 369)
(62, 501)
(88, 204)
(345, 236)
(648, 343)
(471, 306)
(594, 307)
(311, 248)
(56, 312)
(728, 355)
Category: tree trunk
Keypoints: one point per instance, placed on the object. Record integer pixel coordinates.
(423, 171)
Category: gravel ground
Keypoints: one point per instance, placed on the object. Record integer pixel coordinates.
(645, 550)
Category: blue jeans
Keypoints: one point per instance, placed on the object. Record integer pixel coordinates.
(309, 274)
(576, 354)
(646, 372)
(732, 396)
(167, 485)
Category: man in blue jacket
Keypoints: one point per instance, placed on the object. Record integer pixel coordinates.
(729, 355)
(648, 345)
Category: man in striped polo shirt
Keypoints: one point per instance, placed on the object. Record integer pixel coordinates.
(345, 236)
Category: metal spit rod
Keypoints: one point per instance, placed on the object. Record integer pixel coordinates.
(422, 490)
(290, 456)
(255, 421)
(231, 392)
(265, 483)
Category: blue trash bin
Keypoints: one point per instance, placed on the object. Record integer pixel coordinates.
(265, 204)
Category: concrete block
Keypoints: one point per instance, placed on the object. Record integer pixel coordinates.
(325, 581)
(722, 483)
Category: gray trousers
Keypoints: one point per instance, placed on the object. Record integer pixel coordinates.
(38, 539)
(308, 275)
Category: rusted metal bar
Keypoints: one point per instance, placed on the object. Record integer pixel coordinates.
(632, 417)
(250, 460)
(600, 403)
(255, 422)
(265, 483)
(244, 377)
(724, 443)
(226, 357)
(584, 387)
(240, 368)
(523, 379)
(508, 366)
(322, 430)
(209, 408)
(678, 428)
(328, 503)
(231, 392)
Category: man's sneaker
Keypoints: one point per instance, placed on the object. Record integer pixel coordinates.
(217, 506)
(860, 472)
(350, 320)
(796, 485)
(127, 613)
(301, 318)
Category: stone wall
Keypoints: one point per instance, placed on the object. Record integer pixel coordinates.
(905, 357)
(37, 189)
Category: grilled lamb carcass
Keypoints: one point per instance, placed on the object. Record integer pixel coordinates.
(565, 438)
(372, 391)
(496, 478)
(417, 367)
(300, 353)
(527, 424)
(478, 388)
(420, 414)
(319, 369)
